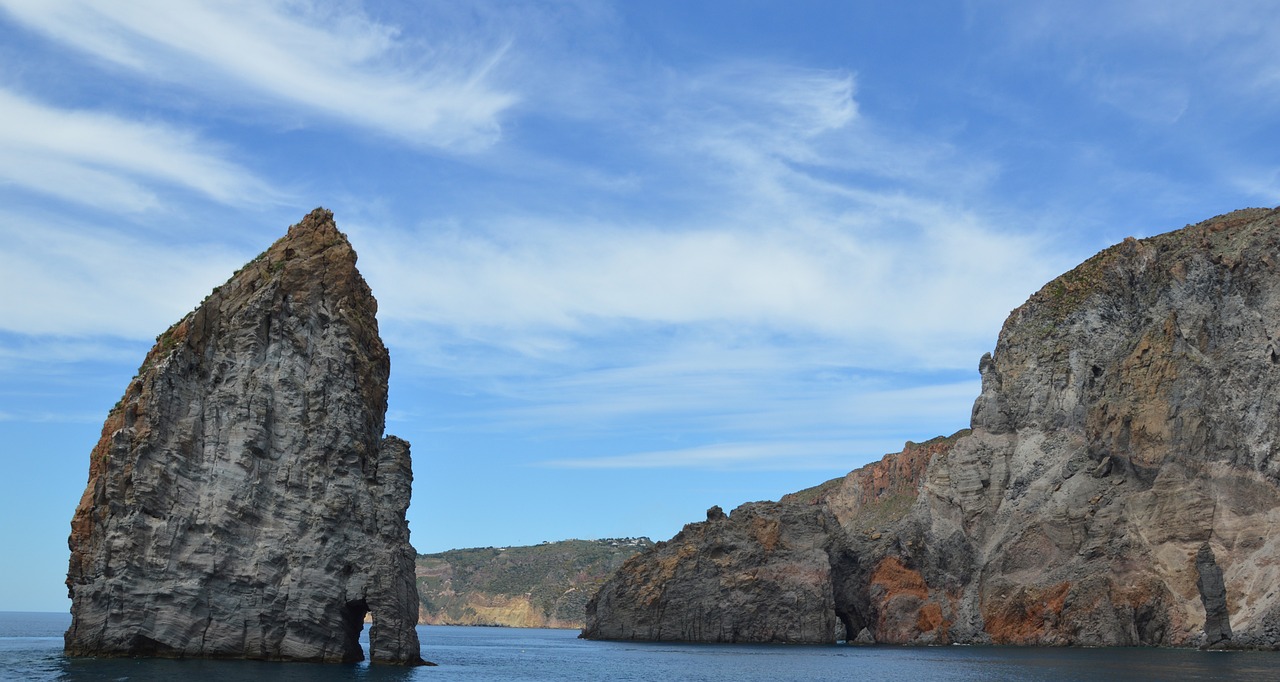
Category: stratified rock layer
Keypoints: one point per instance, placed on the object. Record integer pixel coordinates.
(1120, 485)
(242, 502)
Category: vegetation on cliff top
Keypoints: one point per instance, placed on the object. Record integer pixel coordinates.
(1221, 238)
(544, 585)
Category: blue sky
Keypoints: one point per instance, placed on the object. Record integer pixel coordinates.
(632, 259)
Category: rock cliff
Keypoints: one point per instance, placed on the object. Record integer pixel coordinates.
(1119, 485)
(242, 501)
(762, 576)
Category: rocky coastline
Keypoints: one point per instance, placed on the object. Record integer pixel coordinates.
(1119, 485)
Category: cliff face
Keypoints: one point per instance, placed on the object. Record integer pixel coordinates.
(1118, 487)
(242, 502)
(709, 583)
(541, 586)
(794, 571)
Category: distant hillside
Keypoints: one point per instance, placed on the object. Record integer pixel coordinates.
(543, 586)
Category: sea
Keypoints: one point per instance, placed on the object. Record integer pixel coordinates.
(31, 649)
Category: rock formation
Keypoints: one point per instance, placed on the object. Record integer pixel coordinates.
(709, 583)
(1120, 484)
(242, 502)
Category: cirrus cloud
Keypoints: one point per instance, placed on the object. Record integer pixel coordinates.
(330, 62)
(106, 161)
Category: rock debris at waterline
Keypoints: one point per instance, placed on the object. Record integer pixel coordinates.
(242, 501)
(1120, 485)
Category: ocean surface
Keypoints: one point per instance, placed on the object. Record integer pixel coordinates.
(31, 649)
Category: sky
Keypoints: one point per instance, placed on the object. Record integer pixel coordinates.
(633, 259)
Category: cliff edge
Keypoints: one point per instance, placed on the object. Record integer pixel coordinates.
(242, 501)
(1119, 485)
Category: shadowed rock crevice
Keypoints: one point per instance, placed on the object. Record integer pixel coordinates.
(1213, 594)
(242, 501)
(353, 614)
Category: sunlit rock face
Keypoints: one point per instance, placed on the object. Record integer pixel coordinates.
(1120, 484)
(242, 501)
(762, 576)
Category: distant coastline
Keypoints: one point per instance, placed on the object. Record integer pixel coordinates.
(536, 586)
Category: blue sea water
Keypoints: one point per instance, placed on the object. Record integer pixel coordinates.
(31, 649)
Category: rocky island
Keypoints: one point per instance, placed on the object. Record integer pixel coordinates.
(242, 501)
(1120, 485)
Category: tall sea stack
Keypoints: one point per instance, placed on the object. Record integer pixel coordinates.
(242, 501)
(1120, 484)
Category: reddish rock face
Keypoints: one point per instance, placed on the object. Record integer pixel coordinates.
(1119, 486)
(1026, 616)
(878, 494)
(242, 501)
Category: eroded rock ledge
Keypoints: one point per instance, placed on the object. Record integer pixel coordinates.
(1120, 485)
(242, 502)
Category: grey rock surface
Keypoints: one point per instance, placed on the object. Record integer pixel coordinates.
(242, 501)
(1120, 484)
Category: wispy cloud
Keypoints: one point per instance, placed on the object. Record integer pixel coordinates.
(770, 234)
(781, 110)
(798, 401)
(105, 161)
(539, 288)
(334, 62)
(67, 279)
(802, 218)
(737, 456)
(813, 254)
(50, 417)
(1160, 49)
(58, 355)
(1152, 98)
(1261, 181)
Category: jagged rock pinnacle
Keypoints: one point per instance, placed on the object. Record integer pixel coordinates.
(242, 501)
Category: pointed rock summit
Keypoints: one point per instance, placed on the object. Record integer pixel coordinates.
(242, 501)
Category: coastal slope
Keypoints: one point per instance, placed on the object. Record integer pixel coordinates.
(242, 501)
(1118, 485)
(540, 586)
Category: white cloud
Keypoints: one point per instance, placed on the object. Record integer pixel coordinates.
(1225, 47)
(749, 321)
(58, 355)
(1261, 182)
(780, 394)
(50, 418)
(908, 297)
(105, 161)
(69, 279)
(789, 270)
(789, 456)
(810, 240)
(329, 61)
(809, 260)
(780, 110)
